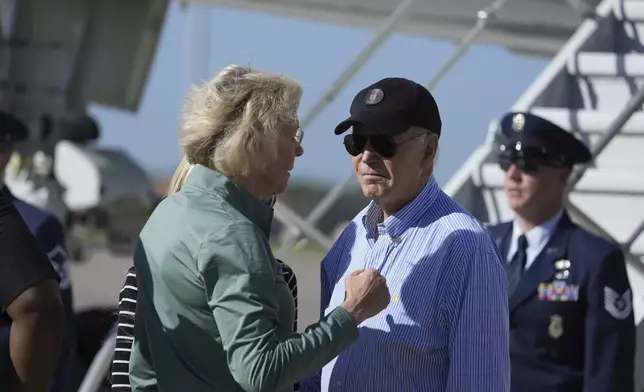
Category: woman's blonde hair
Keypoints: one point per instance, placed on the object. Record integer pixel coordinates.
(232, 122)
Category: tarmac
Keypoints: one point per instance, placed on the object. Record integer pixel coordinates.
(97, 282)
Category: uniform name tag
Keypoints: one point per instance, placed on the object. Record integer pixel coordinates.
(558, 290)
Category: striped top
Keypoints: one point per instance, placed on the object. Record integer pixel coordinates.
(446, 327)
(124, 334)
(125, 329)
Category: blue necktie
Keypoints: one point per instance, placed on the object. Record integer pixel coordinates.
(517, 265)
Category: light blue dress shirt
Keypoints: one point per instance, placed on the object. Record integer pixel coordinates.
(537, 238)
(447, 326)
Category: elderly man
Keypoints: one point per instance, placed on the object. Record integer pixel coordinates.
(571, 318)
(446, 328)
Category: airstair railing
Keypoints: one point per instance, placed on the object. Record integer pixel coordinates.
(381, 36)
(631, 259)
(327, 202)
(284, 213)
(527, 100)
(634, 236)
(482, 19)
(587, 29)
(384, 32)
(532, 94)
(100, 364)
(613, 130)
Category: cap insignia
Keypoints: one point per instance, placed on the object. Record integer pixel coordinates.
(374, 96)
(518, 122)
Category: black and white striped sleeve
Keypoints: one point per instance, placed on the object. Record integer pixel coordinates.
(125, 330)
(125, 334)
(291, 281)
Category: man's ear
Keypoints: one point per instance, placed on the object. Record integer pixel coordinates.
(431, 147)
(565, 175)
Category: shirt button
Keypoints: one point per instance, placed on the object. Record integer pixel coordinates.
(338, 384)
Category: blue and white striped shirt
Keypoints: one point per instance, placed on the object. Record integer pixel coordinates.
(447, 326)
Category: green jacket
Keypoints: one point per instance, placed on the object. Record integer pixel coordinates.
(214, 312)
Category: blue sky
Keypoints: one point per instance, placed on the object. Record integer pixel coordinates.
(482, 86)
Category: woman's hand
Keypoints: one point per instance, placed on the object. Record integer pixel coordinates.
(367, 294)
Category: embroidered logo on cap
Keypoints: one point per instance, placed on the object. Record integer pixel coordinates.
(518, 122)
(374, 96)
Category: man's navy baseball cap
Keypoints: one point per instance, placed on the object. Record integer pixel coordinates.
(391, 106)
(524, 129)
(12, 129)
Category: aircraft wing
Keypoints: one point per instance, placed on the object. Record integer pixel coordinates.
(117, 51)
(538, 27)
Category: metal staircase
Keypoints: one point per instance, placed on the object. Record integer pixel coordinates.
(592, 87)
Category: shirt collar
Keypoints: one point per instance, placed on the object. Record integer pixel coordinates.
(407, 216)
(537, 235)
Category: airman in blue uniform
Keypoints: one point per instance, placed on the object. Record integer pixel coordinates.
(49, 232)
(571, 312)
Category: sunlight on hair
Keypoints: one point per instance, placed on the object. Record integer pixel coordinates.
(232, 122)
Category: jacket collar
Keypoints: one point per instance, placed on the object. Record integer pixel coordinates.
(213, 182)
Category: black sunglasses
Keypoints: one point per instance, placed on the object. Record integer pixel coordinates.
(383, 145)
(524, 164)
(528, 160)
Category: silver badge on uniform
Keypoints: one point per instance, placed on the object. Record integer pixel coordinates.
(562, 264)
(563, 275)
(374, 96)
(562, 269)
(518, 122)
(555, 329)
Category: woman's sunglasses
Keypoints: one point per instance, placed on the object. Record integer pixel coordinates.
(383, 145)
(299, 135)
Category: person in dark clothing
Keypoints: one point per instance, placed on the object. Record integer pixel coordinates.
(571, 304)
(50, 235)
(30, 297)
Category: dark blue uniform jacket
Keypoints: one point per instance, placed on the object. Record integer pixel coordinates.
(571, 317)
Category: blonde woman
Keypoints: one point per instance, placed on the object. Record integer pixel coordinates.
(120, 378)
(213, 310)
